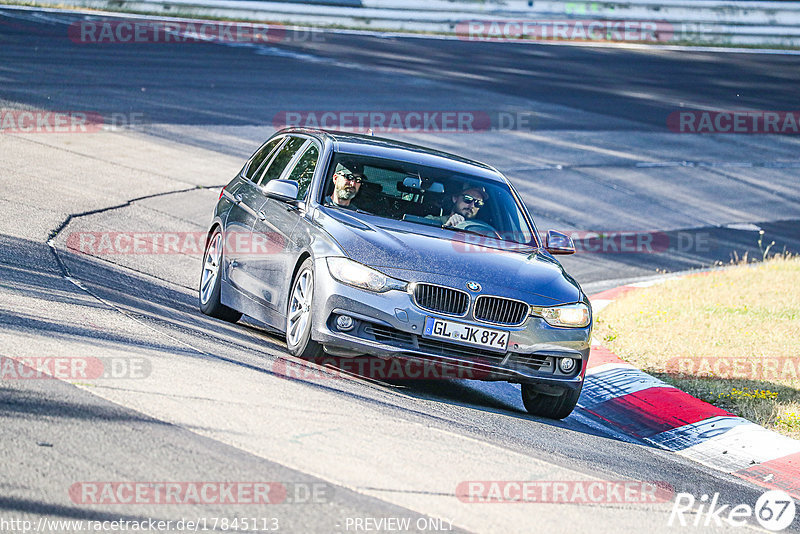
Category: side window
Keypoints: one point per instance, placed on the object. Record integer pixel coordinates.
(303, 170)
(260, 156)
(281, 160)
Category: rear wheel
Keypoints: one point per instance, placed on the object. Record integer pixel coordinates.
(211, 281)
(551, 406)
(299, 314)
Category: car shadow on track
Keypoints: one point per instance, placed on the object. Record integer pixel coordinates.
(32, 275)
(501, 398)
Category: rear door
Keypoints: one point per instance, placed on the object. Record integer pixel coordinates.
(269, 243)
(280, 219)
(247, 199)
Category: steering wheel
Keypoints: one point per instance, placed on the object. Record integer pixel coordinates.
(479, 227)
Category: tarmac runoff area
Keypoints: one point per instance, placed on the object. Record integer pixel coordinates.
(116, 303)
(387, 451)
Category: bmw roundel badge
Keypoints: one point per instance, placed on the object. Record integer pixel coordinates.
(473, 286)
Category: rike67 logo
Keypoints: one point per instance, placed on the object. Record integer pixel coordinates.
(774, 510)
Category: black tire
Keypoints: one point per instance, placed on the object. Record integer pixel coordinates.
(299, 314)
(211, 281)
(550, 406)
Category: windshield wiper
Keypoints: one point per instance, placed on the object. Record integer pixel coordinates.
(464, 230)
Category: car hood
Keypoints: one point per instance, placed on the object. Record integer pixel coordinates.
(414, 255)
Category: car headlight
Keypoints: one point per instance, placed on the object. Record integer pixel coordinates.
(569, 316)
(355, 274)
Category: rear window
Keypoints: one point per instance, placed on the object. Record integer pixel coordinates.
(260, 156)
(281, 160)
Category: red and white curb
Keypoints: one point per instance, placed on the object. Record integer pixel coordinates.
(656, 413)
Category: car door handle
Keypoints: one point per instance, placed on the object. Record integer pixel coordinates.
(237, 198)
(262, 216)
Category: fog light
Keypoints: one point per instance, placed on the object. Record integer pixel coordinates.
(566, 365)
(345, 323)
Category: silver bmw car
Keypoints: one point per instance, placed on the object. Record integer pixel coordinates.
(358, 247)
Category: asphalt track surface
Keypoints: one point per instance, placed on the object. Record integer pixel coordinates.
(599, 157)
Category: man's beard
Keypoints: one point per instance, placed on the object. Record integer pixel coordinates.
(344, 194)
(467, 213)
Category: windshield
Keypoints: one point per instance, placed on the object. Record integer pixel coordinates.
(425, 195)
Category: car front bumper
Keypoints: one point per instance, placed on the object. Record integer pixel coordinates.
(389, 325)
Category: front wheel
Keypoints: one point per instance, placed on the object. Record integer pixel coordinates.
(299, 314)
(551, 406)
(210, 282)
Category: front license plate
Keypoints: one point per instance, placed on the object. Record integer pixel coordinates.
(466, 333)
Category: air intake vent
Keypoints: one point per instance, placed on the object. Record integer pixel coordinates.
(498, 310)
(441, 299)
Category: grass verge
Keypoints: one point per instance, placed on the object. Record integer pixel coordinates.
(729, 337)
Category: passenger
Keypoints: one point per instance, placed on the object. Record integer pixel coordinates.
(346, 185)
(465, 206)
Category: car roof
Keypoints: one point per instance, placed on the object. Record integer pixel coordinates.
(381, 147)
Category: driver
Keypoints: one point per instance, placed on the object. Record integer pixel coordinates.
(346, 186)
(465, 206)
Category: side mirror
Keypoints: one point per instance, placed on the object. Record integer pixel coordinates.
(283, 190)
(558, 243)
